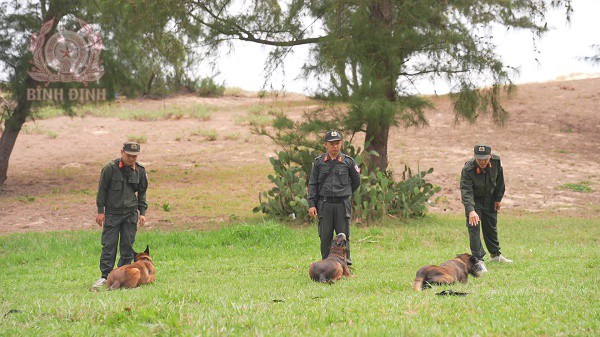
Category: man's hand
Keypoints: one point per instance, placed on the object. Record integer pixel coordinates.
(473, 218)
(312, 212)
(100, 219)
(497, 205)
(142, 220)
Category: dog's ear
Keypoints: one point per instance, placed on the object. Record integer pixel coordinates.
(147, 251)
(473, 259)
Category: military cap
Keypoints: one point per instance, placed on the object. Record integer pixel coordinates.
(333, 136)
(482, 151)
(131, 148)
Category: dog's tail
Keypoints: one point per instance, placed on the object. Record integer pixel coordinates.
(418, 283)
(114, 286)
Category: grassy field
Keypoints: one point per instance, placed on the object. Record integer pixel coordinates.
(251, 279)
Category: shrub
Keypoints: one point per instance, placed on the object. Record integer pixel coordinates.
(141, 139)
(210, 88)
(379, 194)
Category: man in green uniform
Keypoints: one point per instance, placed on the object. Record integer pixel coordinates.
(482, 189)
(333, 179)
(121, 202)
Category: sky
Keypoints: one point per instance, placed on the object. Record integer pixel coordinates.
(558, 56)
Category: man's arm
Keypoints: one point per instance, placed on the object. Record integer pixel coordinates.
(466, 191)
(103, 185)
(500, 188)
(354, 176)
(313, 186)
(142, 204)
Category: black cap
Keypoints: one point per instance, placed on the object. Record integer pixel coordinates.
(131, 148)
(333, 136)
(482, 151)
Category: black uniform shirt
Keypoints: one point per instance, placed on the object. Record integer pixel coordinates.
(481, 187)
(332, 177)
(121, 189)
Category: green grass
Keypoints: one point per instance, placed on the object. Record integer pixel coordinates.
(208, 134)
(199, 111)
(251, 279)
(141, 139)
(582, 186)
(232, 136)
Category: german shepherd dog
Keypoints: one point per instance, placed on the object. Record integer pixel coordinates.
(141, 271)
(334, 266)
(451, 271)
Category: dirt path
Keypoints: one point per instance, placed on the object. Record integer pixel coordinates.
(552, 138)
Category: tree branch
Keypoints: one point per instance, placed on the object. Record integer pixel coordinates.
(243, 34)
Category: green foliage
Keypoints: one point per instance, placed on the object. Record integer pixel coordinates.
(257, 117)
(208, 134)
(141, 139)
(209, 88)
(288, 197)
(374, 53)
(200, 111)
(582, 186)
(378, 196)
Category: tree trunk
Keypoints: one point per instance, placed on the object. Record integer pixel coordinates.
(15, 120)
(9, 137)
(379, 134)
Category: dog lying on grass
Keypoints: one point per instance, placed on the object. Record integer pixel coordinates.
(451, 271)
(334, 267)
(141, 271)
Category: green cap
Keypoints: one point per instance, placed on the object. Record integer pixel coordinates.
(131, 148)
(333, 136)
(482, 151)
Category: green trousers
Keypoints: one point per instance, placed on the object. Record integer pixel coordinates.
(333, 217)
(489, 220)
(123, 226)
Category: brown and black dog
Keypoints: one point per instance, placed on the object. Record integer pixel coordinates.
(132, 275)
(451, 271)
(334, 266)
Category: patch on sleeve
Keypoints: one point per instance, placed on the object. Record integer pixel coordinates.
(356, 168)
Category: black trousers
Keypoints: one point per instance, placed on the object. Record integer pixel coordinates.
(115, 226)
(333, 217)
(489, 221)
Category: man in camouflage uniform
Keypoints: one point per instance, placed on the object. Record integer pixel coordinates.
(121, 202)
(482, 189)
(333, 179)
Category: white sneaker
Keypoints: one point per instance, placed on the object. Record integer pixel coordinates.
(98, 284)
(481, 269)
(501, 259)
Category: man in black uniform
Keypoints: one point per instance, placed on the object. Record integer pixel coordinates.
(482, 189)
(333, 179)
(121, 198)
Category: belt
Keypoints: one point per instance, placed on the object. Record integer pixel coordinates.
(334, 200)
